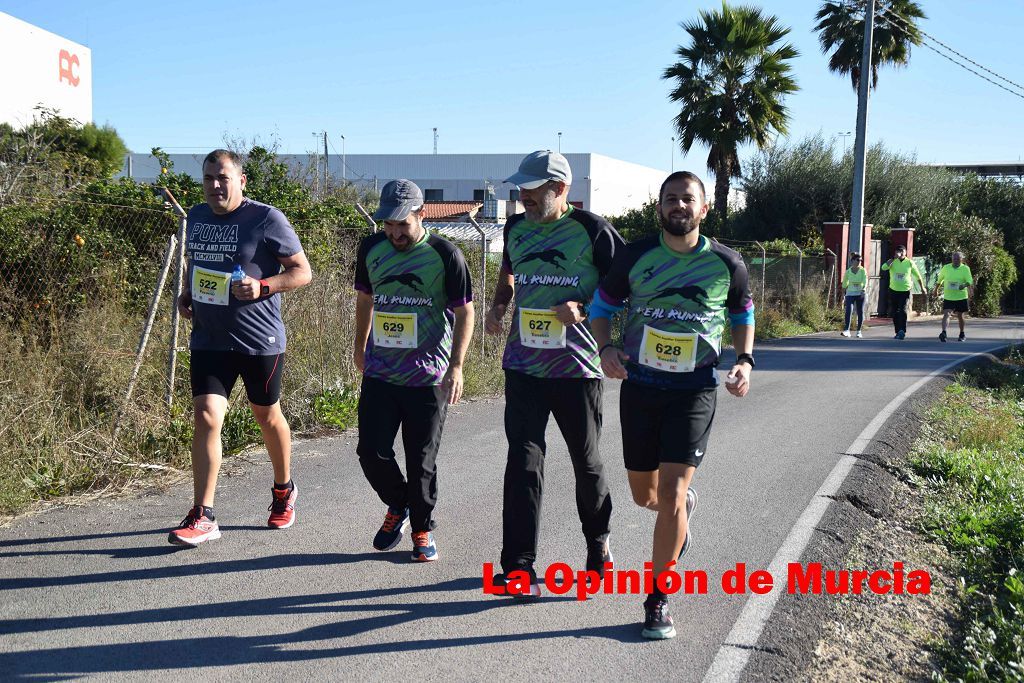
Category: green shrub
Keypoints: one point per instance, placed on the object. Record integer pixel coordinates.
(998, 276)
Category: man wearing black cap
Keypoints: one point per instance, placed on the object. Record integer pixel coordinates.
(414, 320)
(553, 258)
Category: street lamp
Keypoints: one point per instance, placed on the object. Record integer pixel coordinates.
(343, 157)
(559, 142)
(844, 136)
(673, 154)
(903, 219)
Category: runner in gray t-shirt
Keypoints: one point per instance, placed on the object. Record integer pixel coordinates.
(236, 332)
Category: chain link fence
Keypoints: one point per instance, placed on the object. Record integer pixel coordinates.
(777, 278)
(57, 256)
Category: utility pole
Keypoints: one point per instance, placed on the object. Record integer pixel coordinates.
(343, 176)
(860, 143)
(559, 142)
(673, 155)
(327, 161)
(435, 141)
(316, 170)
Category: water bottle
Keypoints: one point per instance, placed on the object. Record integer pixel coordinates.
(237, 275)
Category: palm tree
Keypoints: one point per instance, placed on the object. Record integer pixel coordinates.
(731, 81)
(841, 32)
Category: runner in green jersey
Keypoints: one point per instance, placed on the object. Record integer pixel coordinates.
(681, 289)
(956, 282)
(855, 283)
(901, 271)
(553, 259)
(414, 319)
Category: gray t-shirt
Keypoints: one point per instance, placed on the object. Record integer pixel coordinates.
(253, 236)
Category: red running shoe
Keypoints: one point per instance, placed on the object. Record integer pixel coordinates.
(282, 508)
(194, 529)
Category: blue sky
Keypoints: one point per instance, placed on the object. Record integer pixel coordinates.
(499, 76)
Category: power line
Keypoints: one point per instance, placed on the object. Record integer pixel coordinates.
(906, 22)
(908, 33)
(362, 176)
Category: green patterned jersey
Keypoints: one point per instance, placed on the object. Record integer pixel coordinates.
(414, 293)
(678, 304)
(552, 263)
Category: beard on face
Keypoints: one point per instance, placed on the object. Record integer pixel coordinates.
(401, 244)
(680, 226)
(545, 205)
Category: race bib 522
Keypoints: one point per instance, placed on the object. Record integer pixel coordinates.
(210, 286)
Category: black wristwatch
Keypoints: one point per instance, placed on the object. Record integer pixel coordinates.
(745, 358)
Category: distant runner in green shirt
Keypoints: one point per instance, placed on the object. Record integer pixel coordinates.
(855, 283)
(956, 282)
(901, 271)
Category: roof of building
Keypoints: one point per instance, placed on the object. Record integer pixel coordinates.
(449, 211)
(986, 168)
(465, 232)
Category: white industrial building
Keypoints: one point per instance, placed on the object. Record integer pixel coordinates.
(601, 184)
(42, 69)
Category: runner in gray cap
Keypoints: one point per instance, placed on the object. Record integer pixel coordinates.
(414, 320)
(553, 258)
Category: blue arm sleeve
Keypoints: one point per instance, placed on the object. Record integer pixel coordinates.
(599, 308)
(744, 318)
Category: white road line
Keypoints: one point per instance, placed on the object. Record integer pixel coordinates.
(732, 657)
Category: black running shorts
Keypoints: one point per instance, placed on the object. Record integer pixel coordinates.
(959, 306)
(215, 372)
(664, 425)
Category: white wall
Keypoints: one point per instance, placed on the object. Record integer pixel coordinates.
(602, 184)
(39, 67)
(616, 186)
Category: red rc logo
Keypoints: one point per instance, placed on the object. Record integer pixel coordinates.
(67, 65)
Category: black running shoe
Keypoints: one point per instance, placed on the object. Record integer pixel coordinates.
(942, 336)
(392, 530)
(597, 555)
(532, 594)
(657, 621)
(963, 337)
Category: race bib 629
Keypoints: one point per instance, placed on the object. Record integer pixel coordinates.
(396, 330)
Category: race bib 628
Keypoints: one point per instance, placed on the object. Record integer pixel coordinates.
(668, 351)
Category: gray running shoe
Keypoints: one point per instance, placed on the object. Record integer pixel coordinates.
(691, 504)
(657, 621)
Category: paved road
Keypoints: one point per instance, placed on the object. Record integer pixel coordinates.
(97, 591)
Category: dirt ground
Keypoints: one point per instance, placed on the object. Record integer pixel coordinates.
(872, 524)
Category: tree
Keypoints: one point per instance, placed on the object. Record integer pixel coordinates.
(54, 155)
(841, 32)
(731, 81)
(792, 188)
